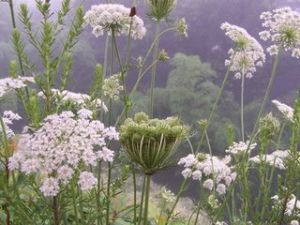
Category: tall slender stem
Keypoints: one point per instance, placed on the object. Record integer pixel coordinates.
(134, 196)
(266, 97)
(98, 195)
(244, 174)
(214, 106)
(147, 194)
(242, 107)
(105, 56)
(181, 189)
(13, 19)
(55, 210)
(108, 194)
(142, 201)
(154, 69)
(74, 202)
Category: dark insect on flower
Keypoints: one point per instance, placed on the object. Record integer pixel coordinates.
(132, 11)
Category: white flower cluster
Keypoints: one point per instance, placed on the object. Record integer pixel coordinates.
(167, 195)
(287, 111)
(283, 28)
(8, 117)
(8, 84)
(292, 206)
(63, 145)
(247, 54)
(276, 159)
(240, 148)
(107, 17)
(216, 171)
(182, 27)
(112, 87)
(294, 222)
(83, 100)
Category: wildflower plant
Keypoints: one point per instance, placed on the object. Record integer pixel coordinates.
(282, 28)
(151, 142)
(114, 17)
(74, 158)
(65, 145)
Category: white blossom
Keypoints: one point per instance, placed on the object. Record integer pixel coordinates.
(247, 54)
(87, 181)
(7, 119)
(283, 29)
(276, 159)
(294, 222)
(215, 171)
(208, 184)
(82, 100)
(50, 187)
(112, 87)
(240, 147)
(107, 17)
(221, 189)
(8, 84)
(286, 110)
(62, 145)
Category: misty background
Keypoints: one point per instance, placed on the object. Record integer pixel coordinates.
(188, 83)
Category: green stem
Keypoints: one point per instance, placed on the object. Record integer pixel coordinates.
(105, 56)
(142, 201)
(181, 190)
(242, 107)
(266, 98)
(98, 195)
(13, 19)
(261, 111)
(278, 142)
(74, 202)
(147, 194)
(214, 106)
(108, 194)
(55, 210)
(154, 69)
(134, 196)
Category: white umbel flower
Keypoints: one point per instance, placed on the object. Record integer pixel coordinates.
(247, 53)
(82, 100)
(8, 118)
(276, 159)
(87, 181)
(283, 29)
(107, 17)
(62, 145)
(8, 84)
(215, 171)
(287, 111)
(112, 87)
(240, 148)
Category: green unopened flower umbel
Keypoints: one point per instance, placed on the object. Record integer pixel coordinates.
(151, 142)
(160, 9)
(269, 126)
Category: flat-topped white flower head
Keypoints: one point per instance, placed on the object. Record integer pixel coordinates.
(82, 100)
(247, 53)
(64, 143)
(276, 159)
(112, 87)
(282, 27)
(214, 171)
(7, 118)
(240, 148)
(8, 84)
(107, 17)
(287, 111)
